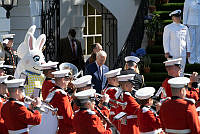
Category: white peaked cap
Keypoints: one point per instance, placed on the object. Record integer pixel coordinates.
(49, 65)
(128, 77)
(8, 36)
(5, 41)
(178, 82)
(3, 78)
(113, 73)
(1, 64)
(15, 83)
(61, 73)
(132, 58)
(86, 94)
(83, 81)
(175, 12)
(145, 93)
(173, 62)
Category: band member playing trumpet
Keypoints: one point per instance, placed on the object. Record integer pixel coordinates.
(85, 120)
(58, 98)
(3, 94)
(16, 116)
(130, 125)
(178, 114)
(173, 68)
(148, 120)
(48, 83)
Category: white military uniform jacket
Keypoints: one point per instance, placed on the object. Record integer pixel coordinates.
(176, 40)
(191, 13)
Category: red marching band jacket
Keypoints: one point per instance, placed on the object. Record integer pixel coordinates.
(58, 98)
(47, 85)
(87, 122)
(148, 121)
(130, 125)
(17, 117)
(3, 129)
(192, 93)
(179, 116)
(114, 93)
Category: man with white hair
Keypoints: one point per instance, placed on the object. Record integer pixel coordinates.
(97, 69)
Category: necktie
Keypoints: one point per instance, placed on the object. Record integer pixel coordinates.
(100, 72)
(73, 48)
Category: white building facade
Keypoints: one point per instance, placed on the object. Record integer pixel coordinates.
(28, 12)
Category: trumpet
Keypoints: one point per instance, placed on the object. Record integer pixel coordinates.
(114, 101)
(29, 100)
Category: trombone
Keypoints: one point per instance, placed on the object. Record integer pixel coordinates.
(29, 100)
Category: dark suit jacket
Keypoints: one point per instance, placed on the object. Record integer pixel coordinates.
(99, 83)
(139, 82)
(66, 54)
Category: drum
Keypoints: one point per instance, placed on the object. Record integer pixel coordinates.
(48, 125)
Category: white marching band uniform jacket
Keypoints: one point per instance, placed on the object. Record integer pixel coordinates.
(176, 40)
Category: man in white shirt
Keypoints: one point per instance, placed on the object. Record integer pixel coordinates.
(191, 18)
(176, 40)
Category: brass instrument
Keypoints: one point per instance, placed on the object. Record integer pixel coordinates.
(114, 101)
(198, 76)
(107, 120)
(68, 66)
(29, 100)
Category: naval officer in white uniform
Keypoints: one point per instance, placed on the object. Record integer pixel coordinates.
(176, 40)
(191, 18)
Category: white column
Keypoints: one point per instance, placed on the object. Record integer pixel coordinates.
(26, 14)
(4, 23)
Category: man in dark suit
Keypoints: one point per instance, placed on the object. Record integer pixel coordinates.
(97, 69)
(71, 50)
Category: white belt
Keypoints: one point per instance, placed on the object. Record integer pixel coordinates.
(112, 113)
(152, 132)
(60, 117)
(183, 131)
(132, 117)
(18, 131)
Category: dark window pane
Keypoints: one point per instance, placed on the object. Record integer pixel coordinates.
(85, 9)
(99, 25)
(97, 13)
(91, 10)
(98, 39)
(85, 28)
(89, 43)
(91, 24)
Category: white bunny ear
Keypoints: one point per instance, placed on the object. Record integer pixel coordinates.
(32, 29)
(30, 41)
(41, 41)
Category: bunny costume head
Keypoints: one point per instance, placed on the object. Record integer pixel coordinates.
(30, 52)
